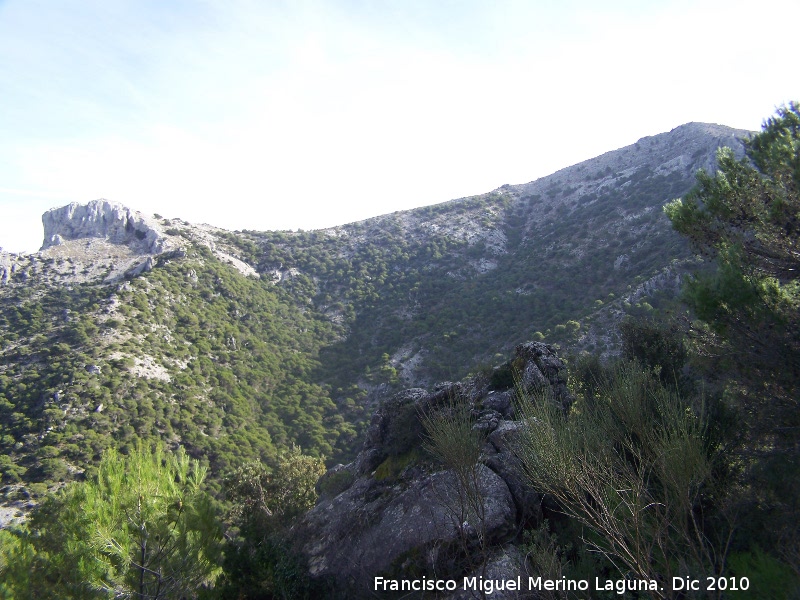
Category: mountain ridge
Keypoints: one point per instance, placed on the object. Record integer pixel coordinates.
(237, 344)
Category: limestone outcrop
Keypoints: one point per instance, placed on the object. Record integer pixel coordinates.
(394, 511)
(103, 219)
(8, 266)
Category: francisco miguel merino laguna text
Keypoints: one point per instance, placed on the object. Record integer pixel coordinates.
(619, 586)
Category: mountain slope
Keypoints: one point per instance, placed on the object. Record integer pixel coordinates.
(443, 288)
(235, 344)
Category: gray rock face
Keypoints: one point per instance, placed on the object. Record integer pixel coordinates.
(8, 267)
(543, 369)
(103, 219)
(143, 267)
(506, 564)
(371, 527)
(393, 510)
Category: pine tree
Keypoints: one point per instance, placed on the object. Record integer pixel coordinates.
(746, 217)
(141, 528)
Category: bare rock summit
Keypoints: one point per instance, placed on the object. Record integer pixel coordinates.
(103, 219)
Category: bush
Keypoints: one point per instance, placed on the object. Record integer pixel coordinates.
(260, 563)
(655, 345)
(633, 467)
(286, 491)
(335, 482)
(453, 441)
(768, 577)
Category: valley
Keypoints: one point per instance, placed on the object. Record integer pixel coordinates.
(128, 327)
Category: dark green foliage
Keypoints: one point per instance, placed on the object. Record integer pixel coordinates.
(395, 464)
(335, 482)
(768, 576)
(260, 563)
(747, 218)
(264, 570)
(143, 527)
(404, 430)
(657, 346)
(587, 376)
(502, 377)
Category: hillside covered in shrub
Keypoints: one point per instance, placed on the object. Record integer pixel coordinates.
(182, 384)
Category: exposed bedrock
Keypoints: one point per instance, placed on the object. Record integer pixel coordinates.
(102, 219)
(395, 512)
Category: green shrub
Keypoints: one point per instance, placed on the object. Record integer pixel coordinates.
(655, 345)
(395, 464)
(142, 527)
(502, 377)
(334, 483)
(768, 576)
(632, 466)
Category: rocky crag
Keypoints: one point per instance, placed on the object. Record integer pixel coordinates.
(103, 242)
(394, 512)
(92, 242)
(103, 219)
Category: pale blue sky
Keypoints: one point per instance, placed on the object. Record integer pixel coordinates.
(264, 114)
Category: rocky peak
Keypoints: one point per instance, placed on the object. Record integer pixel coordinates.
(103, 219)
(685, 149)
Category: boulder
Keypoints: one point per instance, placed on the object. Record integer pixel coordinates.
(374, 528)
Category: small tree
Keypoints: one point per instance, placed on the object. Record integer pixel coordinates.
(655, 345)
(746, 217)
(141, 528)
(452, 440)
(260, 562)
(282, 493)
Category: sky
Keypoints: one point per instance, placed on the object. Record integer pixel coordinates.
(271, 114)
